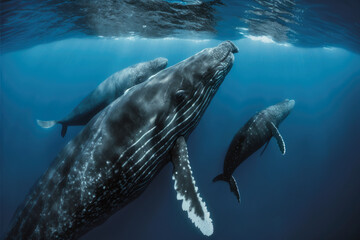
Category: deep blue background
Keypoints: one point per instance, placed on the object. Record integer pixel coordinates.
(313, 192)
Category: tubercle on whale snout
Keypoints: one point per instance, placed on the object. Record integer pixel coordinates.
(223, 51)
(230, 45)
(235, 49)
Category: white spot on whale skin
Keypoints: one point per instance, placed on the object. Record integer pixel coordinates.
(126, 91)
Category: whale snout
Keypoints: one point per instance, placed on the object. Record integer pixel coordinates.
(234, 48)
(290, 103)
(230, 46)
(223, 53)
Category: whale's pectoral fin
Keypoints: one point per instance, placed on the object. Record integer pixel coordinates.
(186, 189)
(262, 152)
(276, 134)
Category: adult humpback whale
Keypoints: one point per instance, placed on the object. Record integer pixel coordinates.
(106, 92)
(255, 133)
(114, 158)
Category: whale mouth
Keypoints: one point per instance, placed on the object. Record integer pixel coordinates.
(231, 48)
(228, 47)
(226, 57)
(234, 48)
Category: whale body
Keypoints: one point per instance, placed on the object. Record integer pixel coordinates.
(252, 136)
(106, 92)
(114, 158)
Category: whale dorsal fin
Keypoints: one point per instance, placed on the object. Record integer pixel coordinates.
(276, 134)
(187, 190)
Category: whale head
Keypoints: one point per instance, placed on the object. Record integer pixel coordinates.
(287, 105)
(176, 97)
(281, 110)
(195, 81)
(209, 67)
(144, 70)
(158, 64)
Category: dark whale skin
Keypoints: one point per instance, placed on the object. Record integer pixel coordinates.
(114, 158)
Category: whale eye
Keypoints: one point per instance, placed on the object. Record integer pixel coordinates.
(181, 95)
(207, 75)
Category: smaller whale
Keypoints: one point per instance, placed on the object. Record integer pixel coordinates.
(106, 92)
(252, 136)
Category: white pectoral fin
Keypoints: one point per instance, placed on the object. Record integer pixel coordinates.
(276, 134)
(186, 190)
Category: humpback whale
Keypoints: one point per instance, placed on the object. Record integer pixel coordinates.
(106, 92)
(252, 136)
(118, 153)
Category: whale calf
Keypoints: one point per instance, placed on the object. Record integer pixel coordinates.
(252, 136)
(119, 152)
(106, 92)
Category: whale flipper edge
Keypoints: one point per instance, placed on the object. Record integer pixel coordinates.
(186, 189)
(276, 134)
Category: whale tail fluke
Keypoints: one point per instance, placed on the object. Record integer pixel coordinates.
(232, 183)
(63, 130)
(50, 124)
(46, 124)
(220, 177)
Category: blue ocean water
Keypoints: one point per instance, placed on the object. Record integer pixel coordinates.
(53, 53)
(310, 193)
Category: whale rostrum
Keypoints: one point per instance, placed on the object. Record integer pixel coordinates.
(106, 92)
(252, 136)
(119, 152)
